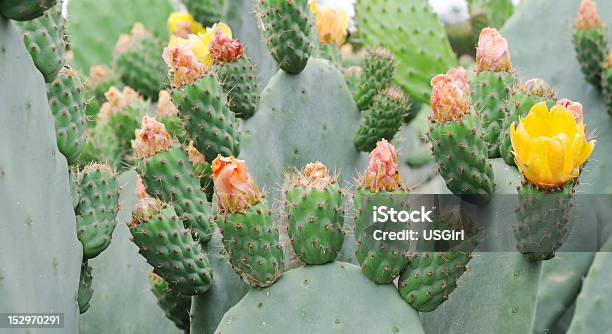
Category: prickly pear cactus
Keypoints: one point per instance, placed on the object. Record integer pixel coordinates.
(207, 12)
(301, 300)
(36, 214)
(23, 10)
(85, 289)
(175, 306)
(95, 26)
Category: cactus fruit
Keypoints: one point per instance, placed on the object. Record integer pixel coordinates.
(606, 82)
(377, 76)
(314, 215)
(431, 277)
(523, 97)
(382, 120)
(288, 30)
(25, 10)
(85, 288)
(208, 119)
(590, 42)
(457, 141)
(245, 221)
(492, 85)
(97, 208)
(239, 81)
(175, 305)
(206, 12)
(140, 65)
(381, 260)
(168, 175)
(66, 96)
(160, 235)
(44, 38)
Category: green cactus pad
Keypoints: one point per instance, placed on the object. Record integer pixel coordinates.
(606, 87)
(239, 81)
(169, 176)
(85, 288)
(102, 144)
(415, 36)
(207, 12)
(331, 298)
(315, 222)
(591, 50)
(67, 100)
(489, 92)
(516, 106)
(382, 120)
(381, 260)
(208, 118)
(377, 76)
(253, 244)
(175, 305)
(44, 38)
(142, 67)
(461, 154)
(431, 277)
(288, 31)
(25, 10)
(160, 238)
(543, 220)
(97, 209)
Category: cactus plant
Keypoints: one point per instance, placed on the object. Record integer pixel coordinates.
(175, 306)
(205, 11)
(379, 68)
(25, 10)
(85, 290)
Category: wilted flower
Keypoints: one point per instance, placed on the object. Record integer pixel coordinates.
(235, 189)
(152, 137)
(450, 95)
(382, 173)
(315, 176)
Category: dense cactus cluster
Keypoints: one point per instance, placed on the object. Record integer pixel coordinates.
(251, 207)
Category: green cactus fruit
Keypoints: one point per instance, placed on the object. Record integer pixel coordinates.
(67, 100)
(591, 48)
(606, 83)
(85, 288)
(169, 176)
(489, 92)
(239, 81)
(25, 10)
(288, 31)
(207, 12)
(431, 277)
(175, 305)
(331, 298)
(208, 119)
(97, 208)
(315, 218)
(377, 76)
(382, 120)
(461, 153)
(142, 67)
(252, 242)
(543, 220)
(44, 38)
(168, 246)
(522, 98)
(381, 260)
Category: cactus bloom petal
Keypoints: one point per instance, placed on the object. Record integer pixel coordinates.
(331, 24)
(382, 173)
(183, 63)
(235, 189)
(152, 137)
(492, 52)
(587, 18)
(575, 108)
(550, 146)
(450, 95)
(182, 24)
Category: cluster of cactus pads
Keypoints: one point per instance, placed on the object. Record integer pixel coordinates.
(252, 204)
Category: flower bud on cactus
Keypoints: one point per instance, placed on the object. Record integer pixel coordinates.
(450, 95)
(382, 173)
(331, 24)
(492, 52)
(183, 65)
(235, 189)
(182, 24)
(224, 49)
(537, 87)
(151, 138)
(590, 42)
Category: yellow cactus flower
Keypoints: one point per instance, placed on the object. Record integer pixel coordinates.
(198, 46)
(331, 24)
(182, 24)
(550, 146)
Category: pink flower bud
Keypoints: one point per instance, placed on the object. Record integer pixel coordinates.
(152, 137)
(224, 49)
(235, 189)
(382, 173)
(492, 52)
(588, 18)
(575, 108)
(450, 95)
